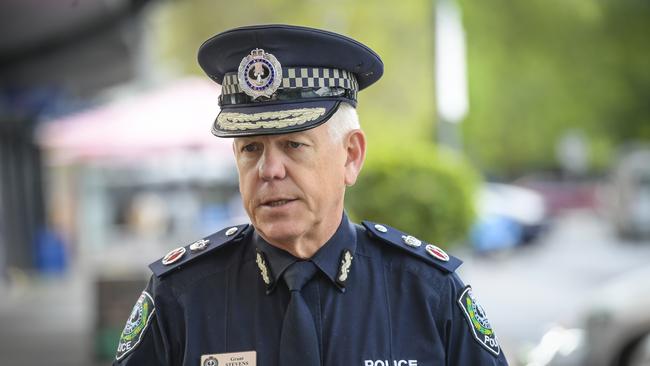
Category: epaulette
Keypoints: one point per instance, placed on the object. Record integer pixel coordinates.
(181, 256)
(414, 246)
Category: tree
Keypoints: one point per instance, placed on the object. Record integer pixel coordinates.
(538, 68)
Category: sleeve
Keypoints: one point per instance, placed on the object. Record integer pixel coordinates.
(471, 340)
(145, 340)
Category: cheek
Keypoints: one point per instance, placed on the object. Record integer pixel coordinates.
(334, 165)
(332, 172)
(246, 183)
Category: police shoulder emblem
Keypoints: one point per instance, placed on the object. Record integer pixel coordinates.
(478, 321)
(259, 74)
(136, 325)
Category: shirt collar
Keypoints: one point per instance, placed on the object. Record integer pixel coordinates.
(331, 259)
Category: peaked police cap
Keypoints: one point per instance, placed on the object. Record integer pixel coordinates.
(280, 78)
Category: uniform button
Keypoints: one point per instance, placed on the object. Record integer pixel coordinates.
(437, 253)
(231, 231)
(173, 256)
(199, 245)
(381, 228)
(411, 241)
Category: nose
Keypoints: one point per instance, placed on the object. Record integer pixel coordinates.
(271, 165)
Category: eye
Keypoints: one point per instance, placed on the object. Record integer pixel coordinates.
(294, 144)
(250, 148)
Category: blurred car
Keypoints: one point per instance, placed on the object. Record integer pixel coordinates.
(614, 330)
(641, 354)
(630, 194)
(508, 215)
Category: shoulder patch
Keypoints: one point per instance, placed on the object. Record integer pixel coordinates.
(136, 325)
(416, 247)
(478, 321)
(181, 256)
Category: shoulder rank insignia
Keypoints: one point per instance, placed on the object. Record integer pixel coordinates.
(416, 247)
(181, 256)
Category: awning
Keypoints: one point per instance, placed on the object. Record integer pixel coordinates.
(175, 117)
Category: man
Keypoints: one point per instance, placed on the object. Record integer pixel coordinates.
(302, 285)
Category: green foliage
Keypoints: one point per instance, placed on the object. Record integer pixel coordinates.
(538, 68)
(416, 188)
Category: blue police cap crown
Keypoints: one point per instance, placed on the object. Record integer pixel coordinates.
(281, 78)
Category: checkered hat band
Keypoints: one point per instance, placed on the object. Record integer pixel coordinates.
(301, 77)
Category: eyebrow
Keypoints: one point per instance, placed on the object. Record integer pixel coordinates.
(242, 140)
(304, 135)
(284, 137)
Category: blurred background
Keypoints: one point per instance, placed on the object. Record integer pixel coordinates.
(515, 134)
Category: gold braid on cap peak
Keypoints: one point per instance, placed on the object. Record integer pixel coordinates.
(231, 121)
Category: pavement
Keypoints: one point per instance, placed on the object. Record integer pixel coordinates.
(524, 291)
(528, 290)
(46, 321)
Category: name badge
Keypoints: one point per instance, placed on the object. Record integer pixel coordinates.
(248, 358)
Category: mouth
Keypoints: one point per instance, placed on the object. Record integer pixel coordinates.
(278, 202)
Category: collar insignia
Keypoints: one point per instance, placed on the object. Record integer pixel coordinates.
(264, 269)
(344, 268)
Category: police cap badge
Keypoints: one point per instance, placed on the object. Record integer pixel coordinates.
(280, 78)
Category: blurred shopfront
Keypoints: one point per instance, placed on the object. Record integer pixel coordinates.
(132, 179)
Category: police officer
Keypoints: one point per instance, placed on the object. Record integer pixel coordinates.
(301, 284)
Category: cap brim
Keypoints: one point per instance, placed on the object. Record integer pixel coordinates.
(272, 119)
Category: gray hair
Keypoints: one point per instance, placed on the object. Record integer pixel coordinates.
(344, 120)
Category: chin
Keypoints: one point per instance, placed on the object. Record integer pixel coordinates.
(279, 232)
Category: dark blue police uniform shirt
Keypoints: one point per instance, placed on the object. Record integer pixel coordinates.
(394, 309)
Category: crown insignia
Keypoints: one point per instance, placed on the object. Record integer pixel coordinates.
(258, 52)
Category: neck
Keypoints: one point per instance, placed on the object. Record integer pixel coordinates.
(305, 250)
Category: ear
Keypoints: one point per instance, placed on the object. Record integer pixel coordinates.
(355, 146)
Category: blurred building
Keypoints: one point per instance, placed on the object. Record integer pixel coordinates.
(140, 174)
(54, 57)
